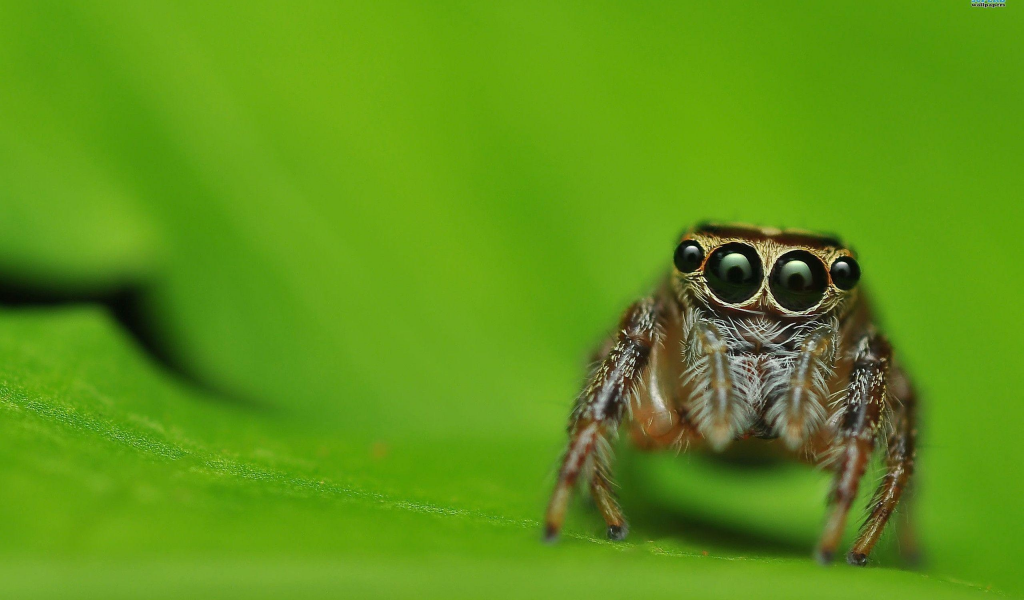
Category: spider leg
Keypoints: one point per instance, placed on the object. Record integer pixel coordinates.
(904, 391)
(658, 421)
(860, 419)
(801, 410)
(899, 468)
(599, 410)
(603, 493)
(718, 410)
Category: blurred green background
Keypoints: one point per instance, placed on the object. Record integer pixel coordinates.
(383, 236)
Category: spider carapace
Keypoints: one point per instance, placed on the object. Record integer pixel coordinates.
(755, 333)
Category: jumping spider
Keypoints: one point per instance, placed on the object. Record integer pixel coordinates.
(756, 333)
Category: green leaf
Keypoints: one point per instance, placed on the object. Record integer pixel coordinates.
(119, 480)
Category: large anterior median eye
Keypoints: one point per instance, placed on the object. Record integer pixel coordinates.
(733, 272)
(798, 280)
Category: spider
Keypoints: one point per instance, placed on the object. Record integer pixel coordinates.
(755, 333)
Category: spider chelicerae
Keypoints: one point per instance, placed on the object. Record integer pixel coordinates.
(755, 333)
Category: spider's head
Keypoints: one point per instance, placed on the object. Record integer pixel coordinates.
(733, 268)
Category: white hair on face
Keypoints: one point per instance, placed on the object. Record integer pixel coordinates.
(765, 369)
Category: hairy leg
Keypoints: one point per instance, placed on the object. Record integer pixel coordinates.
(860, 418)
(899, 468)
(718, 410)
(909, 547)
(599, 410)
(801, 410)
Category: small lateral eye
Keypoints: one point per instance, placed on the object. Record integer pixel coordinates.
(845, 273)
(733, 272)
(798, 280)
(689, 256)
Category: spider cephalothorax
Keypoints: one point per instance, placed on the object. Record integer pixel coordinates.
(756, 333)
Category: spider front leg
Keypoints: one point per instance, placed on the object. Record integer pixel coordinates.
(899, 468)
(861, 416)
(599, 411)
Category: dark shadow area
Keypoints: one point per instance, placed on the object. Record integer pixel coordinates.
(657, 519)
(721, 537)
(745, 458)
(651, 517)
(128, 305)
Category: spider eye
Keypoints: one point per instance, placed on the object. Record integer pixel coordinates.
(798, 280)
(733, 272)
(845, 273)
(689, 256)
